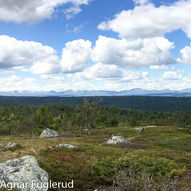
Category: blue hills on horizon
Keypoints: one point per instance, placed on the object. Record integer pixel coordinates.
(82, 93)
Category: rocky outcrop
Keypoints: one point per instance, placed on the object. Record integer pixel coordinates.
(11, 145)
(68, 146)
(25, 173)
(49, 133)
(117, 140)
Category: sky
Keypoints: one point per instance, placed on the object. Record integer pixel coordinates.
(110, 45)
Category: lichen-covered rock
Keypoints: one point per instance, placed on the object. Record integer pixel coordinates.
(24, 171)
(11, 145)
(68, 146)
(118, 140)
(49, 133)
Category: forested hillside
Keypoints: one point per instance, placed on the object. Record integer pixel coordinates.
(141, 103)
(20, 119)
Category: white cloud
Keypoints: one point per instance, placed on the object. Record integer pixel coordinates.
(33, 11)
(75, 82)
(149, 21)
(134, 76)
(13, 82)
(76, 56)
(111, 57)
(133, 54)
(110, 73)
(70, 12)
(74, 8)
(48, 65)
(101, 71)
(66, 82)
(78, 28)
(16, 53)
(157, 67)
(141, 2)
(171, 75)
(185, 55)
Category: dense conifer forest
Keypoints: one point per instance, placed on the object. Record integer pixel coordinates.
(142, 103)
(98, 112)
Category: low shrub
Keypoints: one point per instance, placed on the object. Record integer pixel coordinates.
(156, 167)
(135, 173)
(128, 180)
(104, 168)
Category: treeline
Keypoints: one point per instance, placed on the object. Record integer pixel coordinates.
(141, 103)
(33, 119)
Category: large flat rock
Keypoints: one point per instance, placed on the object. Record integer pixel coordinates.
(24, 171)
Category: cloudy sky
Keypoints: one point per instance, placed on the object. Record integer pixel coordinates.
(95, 44)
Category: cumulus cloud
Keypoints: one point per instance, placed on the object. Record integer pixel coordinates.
(48, 65)
(109, 55)
(171, 75)
(152, 21)
(185, 55)
(16, 53)
(36, 11)
(101, 71)
(111, 73)
(76, 56)
(133, 54)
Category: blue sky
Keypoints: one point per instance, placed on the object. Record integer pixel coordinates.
(94, 45)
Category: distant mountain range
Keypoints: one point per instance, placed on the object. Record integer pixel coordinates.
(132, 92)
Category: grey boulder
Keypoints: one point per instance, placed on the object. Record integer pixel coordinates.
(24, 171)
(117, 140)
(49, 133)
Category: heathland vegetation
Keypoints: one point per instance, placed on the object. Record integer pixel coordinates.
(159, 157)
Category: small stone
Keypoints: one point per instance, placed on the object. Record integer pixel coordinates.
(11, 145)
(68, 146)
(34, 151)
